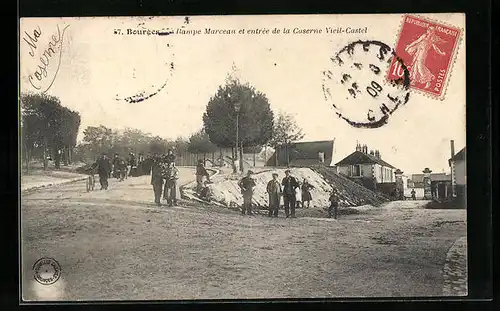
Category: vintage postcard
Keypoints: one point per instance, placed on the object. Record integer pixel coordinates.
(242, 157)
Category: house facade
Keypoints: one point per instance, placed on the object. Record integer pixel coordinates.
(441, 186)
(369, 169)
(303, 154)
(458, 169)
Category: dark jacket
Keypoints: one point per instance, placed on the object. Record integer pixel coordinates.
(246, 185)
(289, 185)
(157, 173)
(103, 166)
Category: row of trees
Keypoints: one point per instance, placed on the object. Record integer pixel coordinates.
(48, 129)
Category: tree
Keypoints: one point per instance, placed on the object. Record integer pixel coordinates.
(47, 125)
(285, 132)
(199, 142)
(255, 117)
(99, 139)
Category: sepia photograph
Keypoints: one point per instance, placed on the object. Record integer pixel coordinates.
(242, 157)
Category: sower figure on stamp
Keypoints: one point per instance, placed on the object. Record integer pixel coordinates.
(274, 192)
(247, 185)
(170, 192)
(334, 204)
(103, 169)
(157, 178)
(289, 184)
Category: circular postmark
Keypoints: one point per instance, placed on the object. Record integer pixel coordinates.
(357, 87)
(46, 271)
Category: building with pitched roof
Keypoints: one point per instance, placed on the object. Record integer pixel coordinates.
(304, 154)
(368, 168)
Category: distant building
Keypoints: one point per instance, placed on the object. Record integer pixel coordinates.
(458, 167)
(441, 187)
(369, 169)
(304, 154)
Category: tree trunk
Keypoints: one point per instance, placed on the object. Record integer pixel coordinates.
(276, 155)
(287, 156)
(45, 161)
(27, 157)
(57, 158)
(66, 155)
(70, 154)
(265, 155)
(254, 158)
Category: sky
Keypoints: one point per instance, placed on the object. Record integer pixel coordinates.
(94, 69)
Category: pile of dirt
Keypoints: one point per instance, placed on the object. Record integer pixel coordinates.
(354, 194)
(226, 192)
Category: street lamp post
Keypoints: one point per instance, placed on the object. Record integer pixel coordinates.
(237, 107)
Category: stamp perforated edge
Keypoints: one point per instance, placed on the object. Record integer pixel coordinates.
(453, 57)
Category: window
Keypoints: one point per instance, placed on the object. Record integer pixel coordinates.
(356, 170)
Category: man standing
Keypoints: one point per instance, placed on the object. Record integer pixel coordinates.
(334, 204)
(289, 184)
(157, 179)
(115, 163)
(103, 169)
(247, 185)
(170, 192)
(274, 191)
(200, 173)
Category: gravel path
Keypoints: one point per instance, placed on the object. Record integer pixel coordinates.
(116, 244)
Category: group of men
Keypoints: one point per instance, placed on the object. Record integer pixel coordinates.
(164, 176)
(118, 167)
(287, 189)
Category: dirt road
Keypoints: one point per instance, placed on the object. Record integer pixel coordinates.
(116, 244)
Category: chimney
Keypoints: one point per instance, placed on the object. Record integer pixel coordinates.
(377, 154)
(372, 153)
(452, 146)
(365, 149)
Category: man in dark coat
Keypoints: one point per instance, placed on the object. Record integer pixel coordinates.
(157, 178)
(334, 204)
(274, 191)
(103, 169)
(289, 184)
(170, 156)
(247, 185)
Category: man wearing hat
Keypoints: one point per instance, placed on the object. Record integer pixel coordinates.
(274, 191)
(157, 178)
(289, 184)
(334, 204)
(247, 185)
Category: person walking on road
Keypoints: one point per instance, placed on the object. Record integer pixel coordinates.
(274, 192)
(247, 185)
(170, 191)
(289, 184)
(334, 204)
(157, 178)
(201, 172)
(413, 195)
(103, 169)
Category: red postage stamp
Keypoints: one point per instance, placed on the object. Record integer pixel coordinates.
(428, 50)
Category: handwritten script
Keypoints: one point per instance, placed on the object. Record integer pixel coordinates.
(47, 60)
